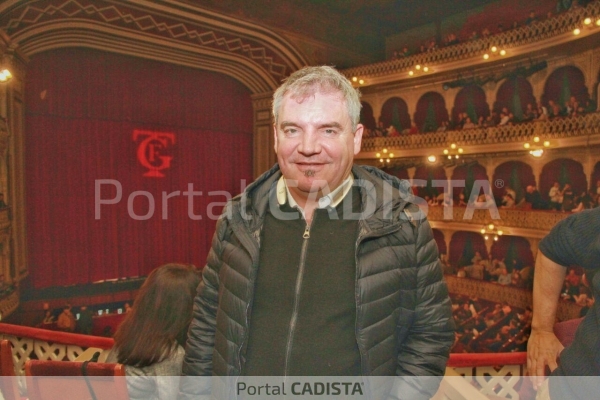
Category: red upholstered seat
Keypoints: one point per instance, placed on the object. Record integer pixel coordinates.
(60, 380)
(8, 381)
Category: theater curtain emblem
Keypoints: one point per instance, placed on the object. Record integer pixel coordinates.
(152, 151)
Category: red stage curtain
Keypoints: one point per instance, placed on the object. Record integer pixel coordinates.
(428, 174)
(471, 99)
(439, 240)
(514, 94)
(366, 116)
(463, 246)
(513, 248)
(515, 174)
(563, 170)
(468, 174)
(431, 112)
(395, 112)
(562, 84)
(82, 109)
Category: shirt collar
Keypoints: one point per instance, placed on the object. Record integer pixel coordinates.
(331, 200)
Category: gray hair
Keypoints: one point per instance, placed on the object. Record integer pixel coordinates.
(309, 80)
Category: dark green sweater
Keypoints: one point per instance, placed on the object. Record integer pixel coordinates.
(305, 317)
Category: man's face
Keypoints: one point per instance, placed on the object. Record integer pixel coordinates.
(315, 143)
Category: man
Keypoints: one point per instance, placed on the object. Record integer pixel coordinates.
(533, 197)
(320, 267)
(573, 241)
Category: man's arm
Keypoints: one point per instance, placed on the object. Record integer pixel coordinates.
(544, 347)
(425, 351)
(201, 334)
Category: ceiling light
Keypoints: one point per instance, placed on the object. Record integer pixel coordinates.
(354, 79)
(577, 31)
(502, 52)
(361, 81)
(425, 69)
(587, 21)
(537, 153)
(494, 49)
(432, 159)
(411, 73)
(417, 67)
(486, 56)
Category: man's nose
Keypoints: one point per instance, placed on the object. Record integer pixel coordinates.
(309, 143)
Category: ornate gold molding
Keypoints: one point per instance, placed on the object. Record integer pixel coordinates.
(169, 31)
(522, 40)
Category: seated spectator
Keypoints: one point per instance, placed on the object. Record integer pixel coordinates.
(542, 113)
(568, 196)
(461, 199)
(504, 119)
(468, 124)
(476, 258)
(555, 195)
(504, 278)
(414, 130)
(443, 127)
(48, 317)
(531, 19)
(66, 320)
(529, 114)
(573, 278)
(508, 201)
(391, 131)
(533, 197)
(150, 340)
(86, 322)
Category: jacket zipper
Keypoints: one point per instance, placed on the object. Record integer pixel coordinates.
(294, 318)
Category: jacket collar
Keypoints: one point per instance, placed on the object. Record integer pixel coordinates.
(384, 198)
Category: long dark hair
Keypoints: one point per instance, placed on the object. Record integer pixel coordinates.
(160, 316)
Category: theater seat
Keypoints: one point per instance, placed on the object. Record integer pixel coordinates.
(65, 380)
(8, 380)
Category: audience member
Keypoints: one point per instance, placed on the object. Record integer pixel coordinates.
(66, 320)
(86, 321)
(150, 339)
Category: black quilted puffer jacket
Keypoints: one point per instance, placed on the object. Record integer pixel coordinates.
(404, 324)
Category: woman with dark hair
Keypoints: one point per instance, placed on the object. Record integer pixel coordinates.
(150, 340)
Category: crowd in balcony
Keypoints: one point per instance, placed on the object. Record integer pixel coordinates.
(467, 35)
(504, 272)
(464, 121)
(485, 326)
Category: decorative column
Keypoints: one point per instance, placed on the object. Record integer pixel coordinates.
(12, 149)
(263, 142)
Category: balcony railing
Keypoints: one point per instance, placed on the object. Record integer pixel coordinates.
(558, 128)
(541, 30)
(509, 218)
(485, 372)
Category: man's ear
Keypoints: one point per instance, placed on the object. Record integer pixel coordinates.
(358, 138)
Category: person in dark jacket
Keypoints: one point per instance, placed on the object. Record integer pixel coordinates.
(573, 241)
(321, 267)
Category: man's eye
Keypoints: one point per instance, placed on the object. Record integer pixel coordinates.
(330, 131)
(290, 131)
